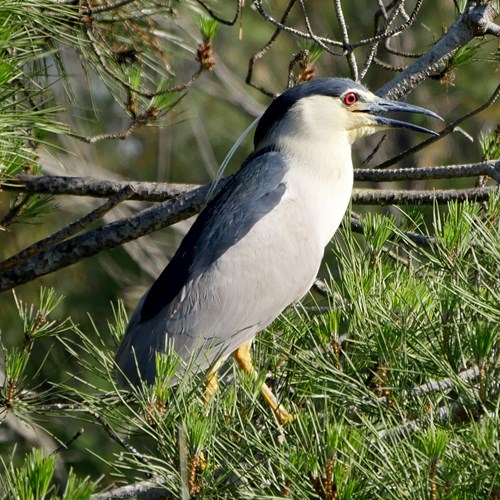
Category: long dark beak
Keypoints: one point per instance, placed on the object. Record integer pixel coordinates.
(383, 106)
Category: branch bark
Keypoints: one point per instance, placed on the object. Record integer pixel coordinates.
(425, 197)
(145, 490)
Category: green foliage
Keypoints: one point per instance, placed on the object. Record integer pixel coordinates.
(314, 50)
(490, 145)
(208, 28)
(382, 407)
(34, 480)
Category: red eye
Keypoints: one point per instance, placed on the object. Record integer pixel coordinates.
(350, 98)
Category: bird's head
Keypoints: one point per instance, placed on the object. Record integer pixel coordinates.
(331, 108)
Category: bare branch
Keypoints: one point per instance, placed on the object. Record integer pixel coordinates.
(105, 8)
(489, 168)
(328, 41)
(68, 230)
(159, 192)
(87, 186)
(114, 436)
(264, 50)
(109, 236)
(426, 197)
(144, 490)
(64, 446)
(351, 60)
(393, 32)
(213, 15)
(477, 20)
(396, 7)
(133, 125)
(181, 207)
(260, 9)
(317, 39)
(368, 159)
(468, 375)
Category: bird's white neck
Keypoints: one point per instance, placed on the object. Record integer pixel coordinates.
(320, 178)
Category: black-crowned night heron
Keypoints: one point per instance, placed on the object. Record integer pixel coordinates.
(258, 244)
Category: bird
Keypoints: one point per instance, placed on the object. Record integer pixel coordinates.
(258, 244)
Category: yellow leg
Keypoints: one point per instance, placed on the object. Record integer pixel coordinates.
(244, 360)
(211, 383)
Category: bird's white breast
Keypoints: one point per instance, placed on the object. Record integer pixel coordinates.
(319, 182)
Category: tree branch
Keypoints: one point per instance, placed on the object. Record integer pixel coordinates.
(69, 230)
(425, 197)
(106, 237)
(159, 192)
(87, 186)
(145, 490)
(477, 20)
(489, 168)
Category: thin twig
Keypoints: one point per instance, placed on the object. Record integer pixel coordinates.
(115, 437)
(132, 127)
(368, 159)
(64, 406)
(258, 55)
(372, 52)
(64, 446)
(213, 15)
(351, 60)
(446, 131)
(104, 8)
(317, 39)
(328, 41)
(260, 9)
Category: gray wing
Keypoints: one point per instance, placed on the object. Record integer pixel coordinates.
(237, 268)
